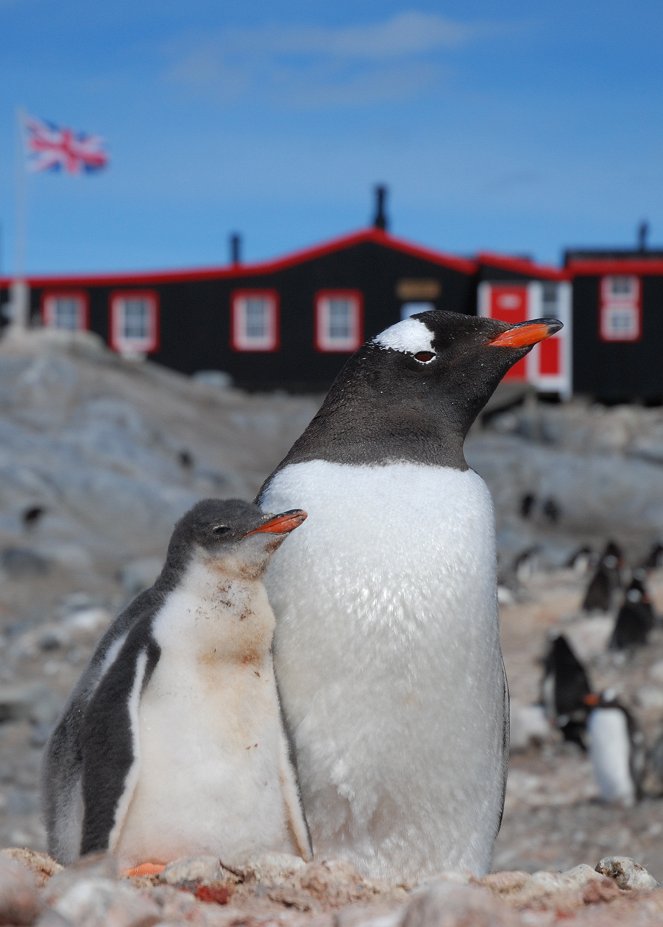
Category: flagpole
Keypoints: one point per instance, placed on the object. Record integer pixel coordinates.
(20, 294)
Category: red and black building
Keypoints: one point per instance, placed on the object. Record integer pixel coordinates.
(291, 322)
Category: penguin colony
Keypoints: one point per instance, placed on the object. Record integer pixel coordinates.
(599, 722)
(386, 644)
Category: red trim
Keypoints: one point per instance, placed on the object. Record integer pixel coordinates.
(373, 236)
(319, 342)
(84, 307)
(235, 337)
(123, 345)
(520, 266)
(616, 268)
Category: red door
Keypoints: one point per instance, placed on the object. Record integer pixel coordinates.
(508, 303)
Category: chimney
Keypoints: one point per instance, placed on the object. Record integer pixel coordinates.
(235, 249)
(643, 234)
(380, 220)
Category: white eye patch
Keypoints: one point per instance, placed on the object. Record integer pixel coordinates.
(410, 336)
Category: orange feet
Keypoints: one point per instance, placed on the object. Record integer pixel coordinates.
(144, 869)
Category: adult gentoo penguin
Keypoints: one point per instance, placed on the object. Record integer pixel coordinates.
(387, 650)
(172, 743)
(617, 749)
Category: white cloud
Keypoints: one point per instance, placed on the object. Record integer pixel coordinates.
(300, 65)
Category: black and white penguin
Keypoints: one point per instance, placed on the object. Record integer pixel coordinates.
(387, 649)
(654, 557)
(635, 618)
(617, 749)
(606, 580)
(564, 687)
(581, 560)
(172, 743)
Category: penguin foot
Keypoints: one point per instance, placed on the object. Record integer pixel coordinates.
(144, 869)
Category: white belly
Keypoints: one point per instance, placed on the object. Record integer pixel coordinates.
(388, 661)
(610, 750)
(211, 749)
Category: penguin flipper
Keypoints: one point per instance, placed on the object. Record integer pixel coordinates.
(111, 746)
(294, 813)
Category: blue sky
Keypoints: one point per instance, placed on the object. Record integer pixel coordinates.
(516, 127)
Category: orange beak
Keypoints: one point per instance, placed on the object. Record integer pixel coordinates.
(280, 524)
(591, 700)
(525, 334)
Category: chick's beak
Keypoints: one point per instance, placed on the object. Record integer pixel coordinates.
(280, 524)
(526, 334)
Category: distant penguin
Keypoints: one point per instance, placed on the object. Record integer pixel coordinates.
(616, 748)
(564, 687)
(635, 619)
(527, 563)
(527, 503)
(654, 557)
(172, 743)
(551, 511)
(387, 649)
(581, 560)
(605, 582)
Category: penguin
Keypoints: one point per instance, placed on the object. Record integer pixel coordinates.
(581, 560)
(387, 650)
(654, 558)
(635, 618)
(606, 580)
(172, 743)
(616, 748)
(564, 687)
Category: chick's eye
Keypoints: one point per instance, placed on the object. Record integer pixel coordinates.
(424, 357)
(220, 529)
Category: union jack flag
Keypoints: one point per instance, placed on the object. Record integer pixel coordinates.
(51, 148)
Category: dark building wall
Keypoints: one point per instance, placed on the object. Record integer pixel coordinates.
(617, 371)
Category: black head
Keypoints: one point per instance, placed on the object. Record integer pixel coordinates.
(413, 391)
(231, 532)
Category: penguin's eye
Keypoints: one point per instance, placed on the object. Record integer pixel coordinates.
(425, 357)
(220, 529)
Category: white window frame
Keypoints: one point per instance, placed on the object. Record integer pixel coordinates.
(241, 338)
(50, 311)
(325, 340)
(127, 343)
(611, 316)
(620, 300)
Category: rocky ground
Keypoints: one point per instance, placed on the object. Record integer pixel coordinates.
(99, 457)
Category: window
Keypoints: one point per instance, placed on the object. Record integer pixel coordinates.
(620, 323)
(67, 311)
(338, 321)
(254, 321)
(134, 322)
(620, 310)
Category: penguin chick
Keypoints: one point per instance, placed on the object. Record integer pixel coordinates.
(617, 749)
(172, 743)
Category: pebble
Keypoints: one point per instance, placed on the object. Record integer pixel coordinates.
(19, 898)
(627, 873)
(101, 902)
(444, 904)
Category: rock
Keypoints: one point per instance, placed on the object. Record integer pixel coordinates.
(204, 869)
(19, 896)
(101, 902)
(21, 701)
(627, 873)
(269, 868)
(22, 563)
(443, 904)
(42, 866)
